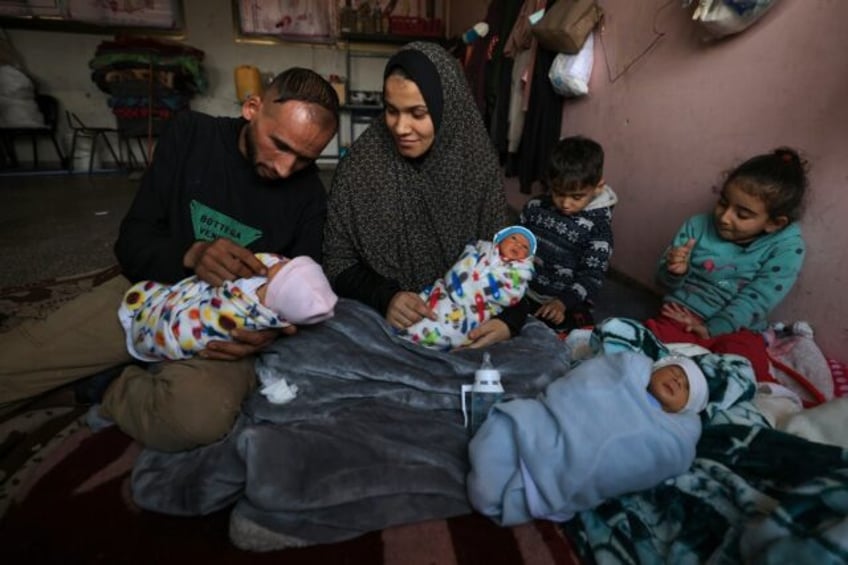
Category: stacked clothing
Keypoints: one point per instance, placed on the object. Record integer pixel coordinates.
(148, 80)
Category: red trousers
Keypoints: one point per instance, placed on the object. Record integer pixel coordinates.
(746, 343)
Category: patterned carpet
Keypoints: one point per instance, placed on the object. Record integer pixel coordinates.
(36, 300)
(64, 495)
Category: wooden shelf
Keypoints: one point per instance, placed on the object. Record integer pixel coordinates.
(388, 39)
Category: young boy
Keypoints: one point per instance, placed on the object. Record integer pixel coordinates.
(614, 424)
(572, 224)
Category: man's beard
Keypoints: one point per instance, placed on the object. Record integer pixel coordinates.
(250, 144)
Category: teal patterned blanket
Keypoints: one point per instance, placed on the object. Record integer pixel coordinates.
(754, 494)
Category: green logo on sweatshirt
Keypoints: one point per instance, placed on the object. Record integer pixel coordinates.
(210, 224)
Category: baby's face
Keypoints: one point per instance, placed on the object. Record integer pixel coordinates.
(514, 247)
(670, 387)
(276, 268)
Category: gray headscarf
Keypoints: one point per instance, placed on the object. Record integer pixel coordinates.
(409, 220)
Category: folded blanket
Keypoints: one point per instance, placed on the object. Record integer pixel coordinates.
(373, 439)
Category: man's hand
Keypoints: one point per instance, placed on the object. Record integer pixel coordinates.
(691, 322)
(245, 342)
(677, 258)
(489, 333)
(407, 308)
(222, 260)
(552, 311)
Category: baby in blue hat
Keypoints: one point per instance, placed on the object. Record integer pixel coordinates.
(488, 277)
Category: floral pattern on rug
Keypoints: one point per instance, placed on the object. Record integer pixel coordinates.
(36, 300)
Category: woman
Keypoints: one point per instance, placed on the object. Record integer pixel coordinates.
(414, 189)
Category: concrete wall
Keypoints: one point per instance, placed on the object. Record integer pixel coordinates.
(675, 118)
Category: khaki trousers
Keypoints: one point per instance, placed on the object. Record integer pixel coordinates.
(172, 406)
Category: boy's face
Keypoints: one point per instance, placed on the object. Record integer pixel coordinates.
(514, 247)
(670, 387)
(573, 202)
(741, 217)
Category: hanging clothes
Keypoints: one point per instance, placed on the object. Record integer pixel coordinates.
(520, 46)
(542, 122)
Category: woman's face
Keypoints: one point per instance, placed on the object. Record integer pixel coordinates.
(407, 117)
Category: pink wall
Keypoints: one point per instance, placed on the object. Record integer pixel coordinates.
(688, 110)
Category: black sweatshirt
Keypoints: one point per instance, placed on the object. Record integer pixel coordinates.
(200, 187)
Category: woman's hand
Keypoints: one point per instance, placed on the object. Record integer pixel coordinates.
(677, 258)
(691, 322)
(245, 342)
(407, 308)
(489, 333)
(221, 260)
(552, 311)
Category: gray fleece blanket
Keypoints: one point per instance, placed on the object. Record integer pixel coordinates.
(373, 439)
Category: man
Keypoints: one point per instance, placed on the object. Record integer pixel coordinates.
(218, 190)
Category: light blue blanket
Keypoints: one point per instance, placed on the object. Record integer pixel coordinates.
(593, 435)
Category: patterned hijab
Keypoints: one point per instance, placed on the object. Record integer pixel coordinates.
(409, 220)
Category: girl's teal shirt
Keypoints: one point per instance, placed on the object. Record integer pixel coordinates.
(733, 286)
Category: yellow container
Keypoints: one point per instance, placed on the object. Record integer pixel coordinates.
(341, 91)
(248, 82)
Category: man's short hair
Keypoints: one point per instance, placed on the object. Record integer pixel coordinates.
(305, 85)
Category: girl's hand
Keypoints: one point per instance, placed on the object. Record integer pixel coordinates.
(552, 311)
(677, 258)
(690, 321)
(407, 308)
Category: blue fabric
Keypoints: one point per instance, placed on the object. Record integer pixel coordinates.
(593, 435)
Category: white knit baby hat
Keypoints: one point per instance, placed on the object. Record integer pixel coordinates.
(698, 390)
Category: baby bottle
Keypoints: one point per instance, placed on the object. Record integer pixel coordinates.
(485, 392)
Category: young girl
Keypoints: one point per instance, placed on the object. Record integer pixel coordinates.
(727, 270)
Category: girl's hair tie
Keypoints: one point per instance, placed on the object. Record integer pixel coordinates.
(786, 157)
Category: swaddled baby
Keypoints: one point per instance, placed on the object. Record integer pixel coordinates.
(488, 277)
(614, 424)
(178, 321)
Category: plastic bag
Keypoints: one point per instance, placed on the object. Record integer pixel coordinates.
(569, 74)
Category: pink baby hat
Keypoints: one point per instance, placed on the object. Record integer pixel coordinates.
(300, 293)
(699, 392)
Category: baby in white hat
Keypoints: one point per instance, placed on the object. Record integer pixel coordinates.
(168, 322)
(678, 385)
(614, 424)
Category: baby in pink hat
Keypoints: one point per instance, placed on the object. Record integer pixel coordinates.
(168, 322)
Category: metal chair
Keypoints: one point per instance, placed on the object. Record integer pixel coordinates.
(80, 130)
(49, 108)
